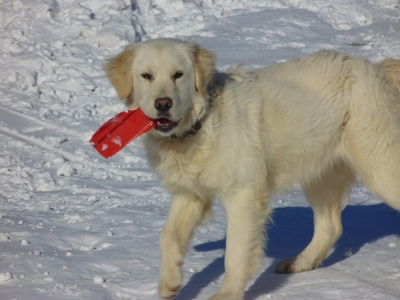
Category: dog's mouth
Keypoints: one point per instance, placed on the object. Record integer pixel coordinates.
(165, 125)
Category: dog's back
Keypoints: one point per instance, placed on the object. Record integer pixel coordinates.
(391, 67)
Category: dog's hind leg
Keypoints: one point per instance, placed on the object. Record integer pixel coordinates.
(185, 214)
(327, 195)
(380, 172)
(372, 144)
(371, 138)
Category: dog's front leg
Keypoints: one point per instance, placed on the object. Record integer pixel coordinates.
(246, 212)
(186, 212)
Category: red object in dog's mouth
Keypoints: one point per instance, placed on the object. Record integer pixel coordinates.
(165, 124)
(120, 130)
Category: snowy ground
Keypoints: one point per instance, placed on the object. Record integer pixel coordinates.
(76, 226)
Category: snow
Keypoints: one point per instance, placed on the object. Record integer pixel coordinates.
(98, 280)
(5, 277)
(76, 226)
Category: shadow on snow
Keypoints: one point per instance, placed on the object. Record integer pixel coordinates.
(289, 233)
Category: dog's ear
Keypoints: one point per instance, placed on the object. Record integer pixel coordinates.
(204, 67)
(119, 71)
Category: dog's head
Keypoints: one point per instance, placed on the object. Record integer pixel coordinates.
(167, 79)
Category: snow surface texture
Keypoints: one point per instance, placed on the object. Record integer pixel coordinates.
(75, 226)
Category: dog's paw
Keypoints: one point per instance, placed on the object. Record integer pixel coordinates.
(294, 265)
(168, 289)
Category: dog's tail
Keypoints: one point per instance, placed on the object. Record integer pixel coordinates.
(391, 67)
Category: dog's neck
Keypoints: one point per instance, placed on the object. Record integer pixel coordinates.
(191, 132)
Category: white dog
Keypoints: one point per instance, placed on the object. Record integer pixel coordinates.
(243, 136)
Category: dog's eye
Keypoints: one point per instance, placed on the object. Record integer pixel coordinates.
(147, 76)
(178, 74)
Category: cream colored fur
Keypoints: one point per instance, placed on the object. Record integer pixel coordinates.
(317, 121)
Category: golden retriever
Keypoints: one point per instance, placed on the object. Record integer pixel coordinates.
(242, 137)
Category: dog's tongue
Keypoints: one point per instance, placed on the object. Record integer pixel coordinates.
(165, 122)
(119, 131)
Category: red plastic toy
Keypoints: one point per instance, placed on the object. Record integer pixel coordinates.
(120, 130)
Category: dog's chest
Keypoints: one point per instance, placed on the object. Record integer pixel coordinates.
(187, 168)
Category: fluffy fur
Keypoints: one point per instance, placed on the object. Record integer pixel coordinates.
(317, 121)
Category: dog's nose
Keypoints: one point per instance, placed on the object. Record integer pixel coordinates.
(163, 104)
